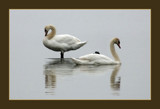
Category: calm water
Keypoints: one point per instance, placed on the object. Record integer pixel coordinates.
(56, 79)
(66, 80)
(38, 73)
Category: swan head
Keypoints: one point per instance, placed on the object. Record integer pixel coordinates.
(117, 41)
(47, 28)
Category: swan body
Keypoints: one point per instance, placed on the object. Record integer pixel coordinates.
(99, 58)
(62, 43)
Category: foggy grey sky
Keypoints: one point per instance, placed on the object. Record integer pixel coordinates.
(97, 27)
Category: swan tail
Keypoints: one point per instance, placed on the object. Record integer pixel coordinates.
(76, 61)
(82, 43)
(82, 61)
(78, 45)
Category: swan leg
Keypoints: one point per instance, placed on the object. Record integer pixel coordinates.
(62, 54)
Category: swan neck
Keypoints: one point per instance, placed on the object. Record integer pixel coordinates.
(113, 51)
(52, 33)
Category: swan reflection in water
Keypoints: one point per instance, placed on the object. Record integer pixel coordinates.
(115, 84)
(55, 68)
(50, 81)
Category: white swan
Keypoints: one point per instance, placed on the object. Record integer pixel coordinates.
(62, 43)
(99, 58)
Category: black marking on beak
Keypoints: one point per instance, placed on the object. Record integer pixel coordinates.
(119, 45)
(46, 32)
(118, 42)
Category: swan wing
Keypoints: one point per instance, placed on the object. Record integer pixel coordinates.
(66, 42)
(93, 57)
(66, 39)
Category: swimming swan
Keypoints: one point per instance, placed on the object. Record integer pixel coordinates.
(99, 58)
(62, 43)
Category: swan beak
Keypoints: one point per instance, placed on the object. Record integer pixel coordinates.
(46, 32)
(119, 46)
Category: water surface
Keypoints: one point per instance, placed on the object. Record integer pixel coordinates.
(64, 79)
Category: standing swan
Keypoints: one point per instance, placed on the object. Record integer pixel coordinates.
(99, 58)
(62, 43)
